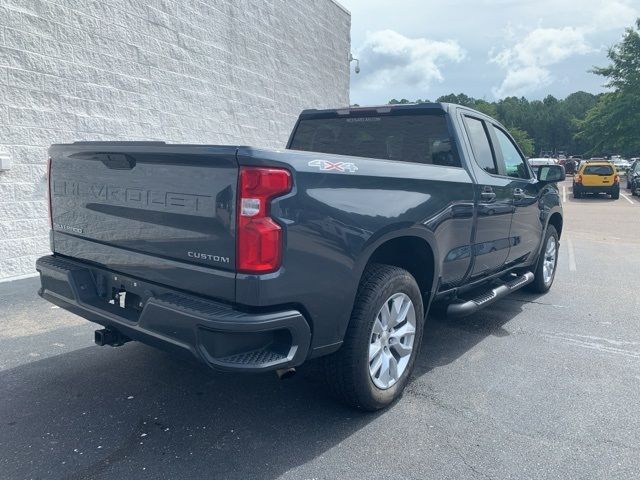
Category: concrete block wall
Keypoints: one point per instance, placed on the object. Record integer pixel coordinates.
(183, 71)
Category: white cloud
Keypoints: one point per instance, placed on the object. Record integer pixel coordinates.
(526, 63)
(389, 59)
(612, 15)
(523, 80)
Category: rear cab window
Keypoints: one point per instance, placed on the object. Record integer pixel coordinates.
(422, 137)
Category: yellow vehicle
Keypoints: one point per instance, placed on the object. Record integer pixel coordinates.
(596, 177)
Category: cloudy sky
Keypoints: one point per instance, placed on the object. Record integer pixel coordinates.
(485, 48)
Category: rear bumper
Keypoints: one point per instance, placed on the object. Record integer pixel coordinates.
(597, 189)
(215, 333)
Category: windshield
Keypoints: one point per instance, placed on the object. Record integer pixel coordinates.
(423, 138)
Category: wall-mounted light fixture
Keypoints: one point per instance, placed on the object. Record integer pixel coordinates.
(352, 59)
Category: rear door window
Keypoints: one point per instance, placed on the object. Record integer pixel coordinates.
(420, 138)
(602, 170)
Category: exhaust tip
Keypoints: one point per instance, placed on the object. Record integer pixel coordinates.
(284, 373)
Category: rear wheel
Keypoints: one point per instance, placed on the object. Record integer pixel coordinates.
(382, 340)
(615, 193)
(576, 192)
(547, 262)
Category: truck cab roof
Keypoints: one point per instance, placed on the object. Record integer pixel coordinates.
(403, 107)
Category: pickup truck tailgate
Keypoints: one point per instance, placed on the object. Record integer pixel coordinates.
(148, 199)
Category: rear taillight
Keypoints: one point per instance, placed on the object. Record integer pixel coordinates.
(616, 179)
(49, 193)
(579, 179)
(259, 237)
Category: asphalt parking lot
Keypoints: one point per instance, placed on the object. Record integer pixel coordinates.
(533, 387)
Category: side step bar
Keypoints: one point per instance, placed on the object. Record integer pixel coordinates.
(462, 309)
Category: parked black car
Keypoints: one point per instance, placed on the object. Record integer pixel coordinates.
(570, 166)
(252, 260)
(633, 178)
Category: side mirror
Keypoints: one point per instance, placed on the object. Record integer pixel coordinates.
(551, 173)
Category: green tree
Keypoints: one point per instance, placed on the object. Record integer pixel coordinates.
(524, 141)
(577, 104)
(485, 107)
(612, 124)
(460, 99)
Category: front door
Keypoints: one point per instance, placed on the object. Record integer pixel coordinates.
(526, 225)
(494, 202)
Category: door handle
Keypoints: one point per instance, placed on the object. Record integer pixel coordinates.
(487, 194)
(518, 193)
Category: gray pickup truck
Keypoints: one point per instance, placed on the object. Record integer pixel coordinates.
(251, 260)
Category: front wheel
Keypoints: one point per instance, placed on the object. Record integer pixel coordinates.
(382, 340)
(547, 262)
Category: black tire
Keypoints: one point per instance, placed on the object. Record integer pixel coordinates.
(576, 193)
(347, 370)
(539, 285)
(615, 194)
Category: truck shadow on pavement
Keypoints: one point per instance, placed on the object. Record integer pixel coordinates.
(136, 412)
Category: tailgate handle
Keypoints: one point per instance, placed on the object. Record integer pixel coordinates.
(117, 161)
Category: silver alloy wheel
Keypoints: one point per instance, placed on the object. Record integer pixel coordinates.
(391, 341)
(549, 263)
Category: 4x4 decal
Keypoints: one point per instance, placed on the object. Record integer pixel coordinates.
(325, 166)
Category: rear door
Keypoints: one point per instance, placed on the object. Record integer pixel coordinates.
(494, 201)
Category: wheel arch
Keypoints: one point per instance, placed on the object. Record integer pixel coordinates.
(414, 250)
(556, 220)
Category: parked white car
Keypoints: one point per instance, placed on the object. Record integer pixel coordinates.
(621, 164)
(539, 162)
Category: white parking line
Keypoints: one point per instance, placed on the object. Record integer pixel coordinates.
(628, 199)
(564, 194)
(572, 256)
